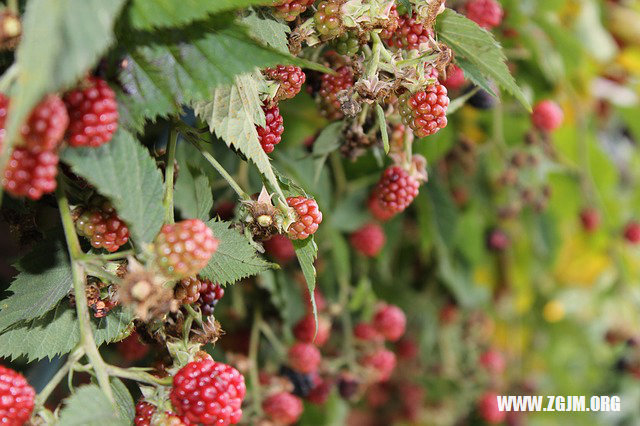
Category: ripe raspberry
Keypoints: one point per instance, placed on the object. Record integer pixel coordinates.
(455, 78)
(30, 174)
(280, 248)
(425, 111)
(377, 210)
(390, 321)
(632, 232)
(283, 408)
(132, 349)
(493, 361)
(208, 392)
(497, 240)
(184, 248)
(382, 362)
(290, 77)
(348, 386)
(590, 219)
(328, 20)
(290, 9)
(309, 217)
(145, 417)
(187, 291)
(547, 115)
(407, 349)
(410, 34)
(16, 398)
(210, 295)
(367, 332)
(45, 127)
(304, 357)
(396, 189)
(486, 13)
(330, 86)
(368, 240)
(320, 392)
(271, 134)
(488, 408)
(102, 226)
(93, 113)
(305, 330)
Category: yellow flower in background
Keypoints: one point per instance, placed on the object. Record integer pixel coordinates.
(579, 263)
(553, 311)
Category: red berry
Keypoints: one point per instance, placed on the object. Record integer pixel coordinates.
(103, 227)
(367, 332)
(425, 111)
(93, 113)
(187, 291)
(309, 217)
(493, 361)
(208, 392)
(382, 362)
(632, 232)
(45, 127)
(407, 349)
(280, 248)
(488, 408)
(271, 134)
(455, 78)
(30, 174)
(210, 294)
(498, 240)
(449, 314)
(392, 24)
(184, 248)
(290, 9)
(410, 35)
(377, 210)
(305, 330)
(330, 86)
(319, 394)
(283, 408)
(396, 189)
(304, 357)
(290, 77)
(144, 413)
(547, 115)
(132, 349)
(368, 240)
(590, 219)
(486, 13)
(328, 18)
(390, 321)
(16, 398)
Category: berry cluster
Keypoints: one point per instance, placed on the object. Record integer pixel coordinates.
(308, 219)
(368, 240)
(102, 226)
(210, 295)
(410, 35)
(425, 111)
(327, 18)
(486, 13)
(330, 87)
(396, 189)
(290, 79)
(290, 9)
(271, 134)
(16, 398)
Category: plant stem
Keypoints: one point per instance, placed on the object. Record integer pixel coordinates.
(345, 318)
(232, 183)
(138, 376)
(254, 344)
(338, 173)
(12, 5)
(86, 334)
(108, 256)
(193, 314)
(372, 68)
(74, 357)
(271, 337)
(168, 177)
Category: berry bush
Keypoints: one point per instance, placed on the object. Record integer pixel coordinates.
(317, 212)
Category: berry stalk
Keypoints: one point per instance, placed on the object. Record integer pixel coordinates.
(225, 175)
(168, 179)
(73, 357)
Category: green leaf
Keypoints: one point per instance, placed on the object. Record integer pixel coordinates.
(233, 114)
(89, 406)
(307, 252)
(147, 14)
(57, 333)
(478, 46)
(123, 171)
(383, 128)
(269, 32)
(124, 401)
(193, 195)
(445, 212)
(235, 258)
(329, 139)
(475, 75)
(61, 41)
(44, 279)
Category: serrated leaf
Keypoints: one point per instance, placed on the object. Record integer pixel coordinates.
(44, 279)
(233, 114)
(123, 171)
(89, 406)
(147, 14)
(329, 139)
(235, 258)
(124, 401)
(193, 196)
(473, 73)
(57, 333)
(383, 128)
(478, 46)
(307, 252)
(268, 31)
(61, 41)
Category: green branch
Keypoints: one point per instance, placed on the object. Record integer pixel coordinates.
(168, 177)
(73, 357)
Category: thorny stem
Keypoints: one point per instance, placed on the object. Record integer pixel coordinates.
(86, 334)
(60, 374)
(232, 183)
(254, 343)
(168, 177)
